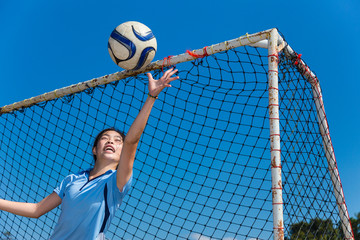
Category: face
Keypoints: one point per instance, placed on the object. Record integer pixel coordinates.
(109, 146)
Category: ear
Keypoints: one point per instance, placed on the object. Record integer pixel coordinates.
(94, 151)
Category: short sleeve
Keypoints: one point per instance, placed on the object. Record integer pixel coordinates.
(114, 193)
(60, 190)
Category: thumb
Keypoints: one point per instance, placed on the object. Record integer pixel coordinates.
(149, 75)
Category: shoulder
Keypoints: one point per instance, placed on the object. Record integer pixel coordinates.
(112, 179)
(75, 176)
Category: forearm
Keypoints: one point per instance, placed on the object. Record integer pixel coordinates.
(155, 87)
(138, 126)
(130, 144)
(19, 208)
(32, 210)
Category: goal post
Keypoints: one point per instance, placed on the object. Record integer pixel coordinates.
(239, 148)
(327, 143)
(275, 148)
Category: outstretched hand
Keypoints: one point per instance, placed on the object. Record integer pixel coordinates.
(156, 86)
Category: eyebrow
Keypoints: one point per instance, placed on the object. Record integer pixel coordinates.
(107, 135)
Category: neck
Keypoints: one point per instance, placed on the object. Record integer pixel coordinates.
(101, 168)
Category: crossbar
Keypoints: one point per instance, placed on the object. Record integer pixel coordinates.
(248, 39)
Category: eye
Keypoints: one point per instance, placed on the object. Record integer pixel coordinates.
(104, 138)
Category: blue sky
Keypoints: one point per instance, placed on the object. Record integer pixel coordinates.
(46, 45)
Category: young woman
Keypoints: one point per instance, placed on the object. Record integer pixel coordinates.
(89, 199)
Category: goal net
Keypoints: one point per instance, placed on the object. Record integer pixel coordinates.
(206, 165)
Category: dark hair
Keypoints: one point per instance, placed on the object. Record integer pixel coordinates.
(102, 132)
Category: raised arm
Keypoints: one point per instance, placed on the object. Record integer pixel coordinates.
(132, 138)
(32, 210)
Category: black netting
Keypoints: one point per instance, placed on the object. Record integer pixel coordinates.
(203, 164)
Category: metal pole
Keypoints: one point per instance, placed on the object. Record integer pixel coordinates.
(276, 182)
(332, 166)
(248, 39)
(327, 143)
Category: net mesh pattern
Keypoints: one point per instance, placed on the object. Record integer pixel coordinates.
(202, 169)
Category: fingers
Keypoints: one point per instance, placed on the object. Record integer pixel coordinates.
(167, 75)
(172, 79)
(156, 86)
(170, 72)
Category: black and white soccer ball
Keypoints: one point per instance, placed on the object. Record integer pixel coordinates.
(132, 45)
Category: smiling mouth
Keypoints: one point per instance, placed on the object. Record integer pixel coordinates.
(109, 148)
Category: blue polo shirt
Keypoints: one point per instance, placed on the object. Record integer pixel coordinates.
(88, 207)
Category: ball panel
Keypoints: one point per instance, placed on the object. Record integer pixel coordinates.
(132, 45)
(112, 54)
(145, 36)
(117, 43)
(145, 57)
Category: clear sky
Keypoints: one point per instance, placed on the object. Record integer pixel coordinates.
(46, 45)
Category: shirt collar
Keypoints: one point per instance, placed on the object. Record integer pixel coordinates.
(87, 171)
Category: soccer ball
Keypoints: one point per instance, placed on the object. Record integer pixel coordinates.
(132, 45)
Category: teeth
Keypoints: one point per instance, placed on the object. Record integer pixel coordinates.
(109, 148)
